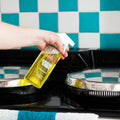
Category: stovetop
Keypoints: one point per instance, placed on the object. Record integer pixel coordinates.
(55, 95)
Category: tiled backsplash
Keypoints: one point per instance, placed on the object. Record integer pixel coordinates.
(90, 23)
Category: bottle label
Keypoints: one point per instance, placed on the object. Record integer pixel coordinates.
(46, 64)
(51, 58)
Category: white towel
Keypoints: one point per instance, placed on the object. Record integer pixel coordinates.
(76, 116)
(8, 114)
(13, 115)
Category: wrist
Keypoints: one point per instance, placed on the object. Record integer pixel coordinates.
(30, 35)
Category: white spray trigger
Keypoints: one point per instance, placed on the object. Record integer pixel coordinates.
(66, 40)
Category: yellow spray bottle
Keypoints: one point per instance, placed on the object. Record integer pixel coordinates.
(45, 63)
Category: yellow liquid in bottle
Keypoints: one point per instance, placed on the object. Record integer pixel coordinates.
(41, 69)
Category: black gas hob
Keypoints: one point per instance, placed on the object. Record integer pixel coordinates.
(55, 95)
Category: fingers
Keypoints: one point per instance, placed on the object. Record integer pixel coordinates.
(51, 38)
(64, 56)
(54, 39)
(67, 49)
(60, 46)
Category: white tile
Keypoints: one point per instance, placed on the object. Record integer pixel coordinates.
(9, 6)
(1, 71)
(89, 40)
(48, 5)
(11, 67)
(68, 22)
(110, 22)
(110, 74)
(79, 75)
(23, 72)
(98, 79)
(8, 76)
(92, 70)
(89, 5)
(29, 20)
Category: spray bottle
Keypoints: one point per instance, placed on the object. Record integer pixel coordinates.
(45, 63)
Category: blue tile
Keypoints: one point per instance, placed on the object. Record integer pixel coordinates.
(24, 68)
(21, 76)
(110, 79)
(28, 5)
(109, 5)
(109, 41)
(89, 22)
(68, 5)
(90, 75)
(1, 76)
(11, 18)
(110, 70)
(74, 37)
(49, 21)
(11, 71)
(31, 47)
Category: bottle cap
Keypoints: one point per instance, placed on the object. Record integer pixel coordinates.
(66, 40)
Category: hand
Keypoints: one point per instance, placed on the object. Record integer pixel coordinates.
(51, 38)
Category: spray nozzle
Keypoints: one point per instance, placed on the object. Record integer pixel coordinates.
(66, 40)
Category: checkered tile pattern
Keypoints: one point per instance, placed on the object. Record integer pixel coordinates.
(90, 23)
(99, 75)
(11, 72)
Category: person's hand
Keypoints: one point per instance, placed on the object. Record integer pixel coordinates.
(50, 38)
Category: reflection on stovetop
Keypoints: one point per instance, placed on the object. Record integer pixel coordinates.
(59, 98)
(48, 98)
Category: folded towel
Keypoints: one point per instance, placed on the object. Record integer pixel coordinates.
(76, 116)
(8, 114)
(32, 115)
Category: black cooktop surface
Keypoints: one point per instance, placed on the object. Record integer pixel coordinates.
(55, 95)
